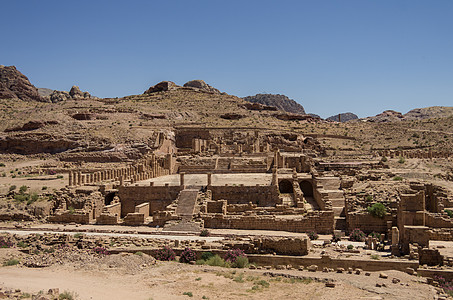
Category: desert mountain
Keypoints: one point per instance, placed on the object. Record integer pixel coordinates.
(282, 102)
(429, 113)
(15, 85)
(343, 117)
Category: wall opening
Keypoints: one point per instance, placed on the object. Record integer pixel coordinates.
(307, 188)
(285, 187)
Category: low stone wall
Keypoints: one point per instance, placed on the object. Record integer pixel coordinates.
(114, 209)
(158, 197)
(143, 209)
(134, 219)
(438, 221)
(321, 222)
(216, 207)
(67, 217)
(367, 223)
(441, 234)
(260, 195)
(107, 219)
(284, 245)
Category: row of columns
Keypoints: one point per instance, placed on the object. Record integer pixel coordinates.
(149, 168)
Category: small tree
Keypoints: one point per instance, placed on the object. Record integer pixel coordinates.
(187, 255)
(377, 210)
(357, 235)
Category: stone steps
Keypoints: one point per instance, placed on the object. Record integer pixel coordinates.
(186, 202)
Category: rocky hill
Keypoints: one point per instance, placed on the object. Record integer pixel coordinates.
(280, 101)
(429, 113)
(15, 85)
(343, 117)
(44, 92)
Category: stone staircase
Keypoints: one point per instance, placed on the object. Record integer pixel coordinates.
(331, 185)
(185, 210)
(186, 202)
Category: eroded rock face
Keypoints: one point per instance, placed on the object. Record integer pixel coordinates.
(162, 87)
(280, 101)
(386, 116)
(15, 85)
(74, 93)
(343, 117)
(31, 125)
(201, 85)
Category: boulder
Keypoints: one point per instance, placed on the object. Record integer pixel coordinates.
(201, 85)
(15, 85)
(162, 86)
(76, 93)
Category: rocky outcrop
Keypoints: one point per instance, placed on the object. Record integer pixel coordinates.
(343, 117)
(32, 125)
(15, 85)
(73, 94)
(202, 86)
(231, 116)
(32, 143)
(386, 116)
(429, 112)
(43, 92)
(258, 106)
(162, 86)
(295, 117)
(279, 101)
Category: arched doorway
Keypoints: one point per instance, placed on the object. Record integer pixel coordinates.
(109, 198)
(307, 188)
(285, 187)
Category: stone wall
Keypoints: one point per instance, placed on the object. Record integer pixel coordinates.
(430, 257)
(368, 223)
(68, 217)
(283, 245)
(216, 207)
(438, 221)
(260, 195)
(134, 219)
(321, 221)
(143, 209)
(158, 197)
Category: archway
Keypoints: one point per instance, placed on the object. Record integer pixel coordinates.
(109, 198)
(307, 188)
(285, 187)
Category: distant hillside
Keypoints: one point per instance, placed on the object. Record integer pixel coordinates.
(280, 101)
(429, 112)
(43, 92)
(344, 117)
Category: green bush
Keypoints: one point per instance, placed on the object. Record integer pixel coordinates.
(350, 247)
(449, 212)
(23, 189)
(12, 188)
(188, 294)
(241, 262)
(377, 210)
(397, 178)
(357, 235)
(206, 255)
(402, 160)
(2, 164)
(11, 262)
(71, 210)
(66, 296)
(216, 261)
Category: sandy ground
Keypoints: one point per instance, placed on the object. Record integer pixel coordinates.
(34, 182)
(170, 280)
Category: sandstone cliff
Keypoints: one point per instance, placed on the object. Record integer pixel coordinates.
(280, 101)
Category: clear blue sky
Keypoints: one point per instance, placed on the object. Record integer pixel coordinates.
(330, 56)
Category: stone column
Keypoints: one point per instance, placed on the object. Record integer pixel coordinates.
(79, 178)
(274, 176)
(209, 179)
(181, 179)
(82, 180)
(70, 178)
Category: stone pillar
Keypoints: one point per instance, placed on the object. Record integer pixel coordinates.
(181, 179)
(274, 176)
(276, 159)
(70, 178)
(79, 178)
(82, 180)
(209, 179)
(121, 180)
(395, 236)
